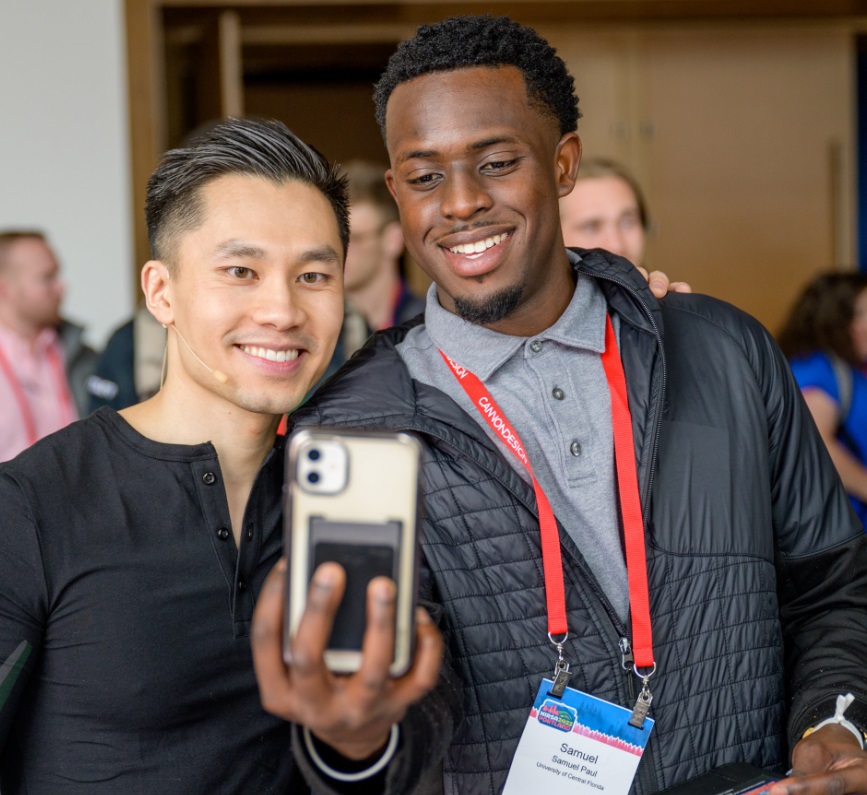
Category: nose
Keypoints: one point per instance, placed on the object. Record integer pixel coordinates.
(464, 195)
(277, 304)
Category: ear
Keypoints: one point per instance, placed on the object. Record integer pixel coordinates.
(392, 239)
(567, 160)
(156, 285)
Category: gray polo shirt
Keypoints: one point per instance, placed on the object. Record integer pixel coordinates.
(553, 390)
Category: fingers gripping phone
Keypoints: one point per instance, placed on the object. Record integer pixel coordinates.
(352, 498)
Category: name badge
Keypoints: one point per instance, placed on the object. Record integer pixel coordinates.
(577, 743)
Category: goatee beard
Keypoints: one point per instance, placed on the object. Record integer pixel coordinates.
(494, 308)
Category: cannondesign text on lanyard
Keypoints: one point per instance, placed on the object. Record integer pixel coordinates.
(633, 526)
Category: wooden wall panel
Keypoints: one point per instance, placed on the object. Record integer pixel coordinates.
(749, 159)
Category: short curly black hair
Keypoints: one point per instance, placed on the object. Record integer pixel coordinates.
(465, 42)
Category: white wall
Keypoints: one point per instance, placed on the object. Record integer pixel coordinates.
(64, 151)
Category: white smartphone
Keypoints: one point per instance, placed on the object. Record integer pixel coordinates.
(352, 498)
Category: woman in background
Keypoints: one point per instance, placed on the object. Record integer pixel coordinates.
(825, 338)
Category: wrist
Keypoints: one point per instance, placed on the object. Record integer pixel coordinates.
(357, 752)
(839, 719)
(337, 764)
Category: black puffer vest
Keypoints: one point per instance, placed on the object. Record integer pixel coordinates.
(750, 540)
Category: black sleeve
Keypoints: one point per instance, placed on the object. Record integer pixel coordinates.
(22, 600)
(821, 558)
(425, 735)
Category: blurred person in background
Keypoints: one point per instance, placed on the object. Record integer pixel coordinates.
(376, 294)
(44, 362)
(129, 370)
(605, 210)
(373, 280)
(825, 338)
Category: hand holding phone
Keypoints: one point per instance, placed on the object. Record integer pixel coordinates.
(352, 713)
(335, 626)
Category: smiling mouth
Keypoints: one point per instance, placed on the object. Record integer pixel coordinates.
(474, 250)
(269, 354)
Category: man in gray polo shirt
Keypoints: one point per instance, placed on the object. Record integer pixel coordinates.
(756, 567)
(552, 388)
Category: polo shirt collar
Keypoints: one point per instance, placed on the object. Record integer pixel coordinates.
(483, 351)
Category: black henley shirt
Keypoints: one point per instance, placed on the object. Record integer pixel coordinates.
(125, 610)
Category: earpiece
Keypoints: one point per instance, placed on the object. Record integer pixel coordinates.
(218, 374)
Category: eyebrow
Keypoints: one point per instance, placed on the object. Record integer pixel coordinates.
(421, 154)
(500, 139)
(417, 154)
(325, 254)
(240, 249)
(237, 248)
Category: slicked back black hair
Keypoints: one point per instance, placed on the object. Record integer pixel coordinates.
(466, 42)
(248, 147)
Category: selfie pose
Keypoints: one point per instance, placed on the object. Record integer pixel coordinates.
(134, 544)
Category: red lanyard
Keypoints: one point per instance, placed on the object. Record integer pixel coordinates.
(627, 484)
(64, 398)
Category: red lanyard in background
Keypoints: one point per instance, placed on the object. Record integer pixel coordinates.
(63, 395)
(627, 485)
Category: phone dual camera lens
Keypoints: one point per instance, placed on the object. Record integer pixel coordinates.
(313, 455)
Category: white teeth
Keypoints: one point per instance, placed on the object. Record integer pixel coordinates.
(270, 354)
(479, 246)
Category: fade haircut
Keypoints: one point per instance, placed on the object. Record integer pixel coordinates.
(367, 186)
(248, 147)
(9, 237)
(467, 42)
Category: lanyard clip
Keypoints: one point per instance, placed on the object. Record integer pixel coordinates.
(645, 697)
(561, 667)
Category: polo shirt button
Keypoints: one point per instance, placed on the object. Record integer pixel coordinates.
(558, 393)
(536, 346)
(242, 585)
(209, 478)
(249, 532)
(223, 533)
(575, 449)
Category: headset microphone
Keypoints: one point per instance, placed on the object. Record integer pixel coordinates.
(218, 374)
